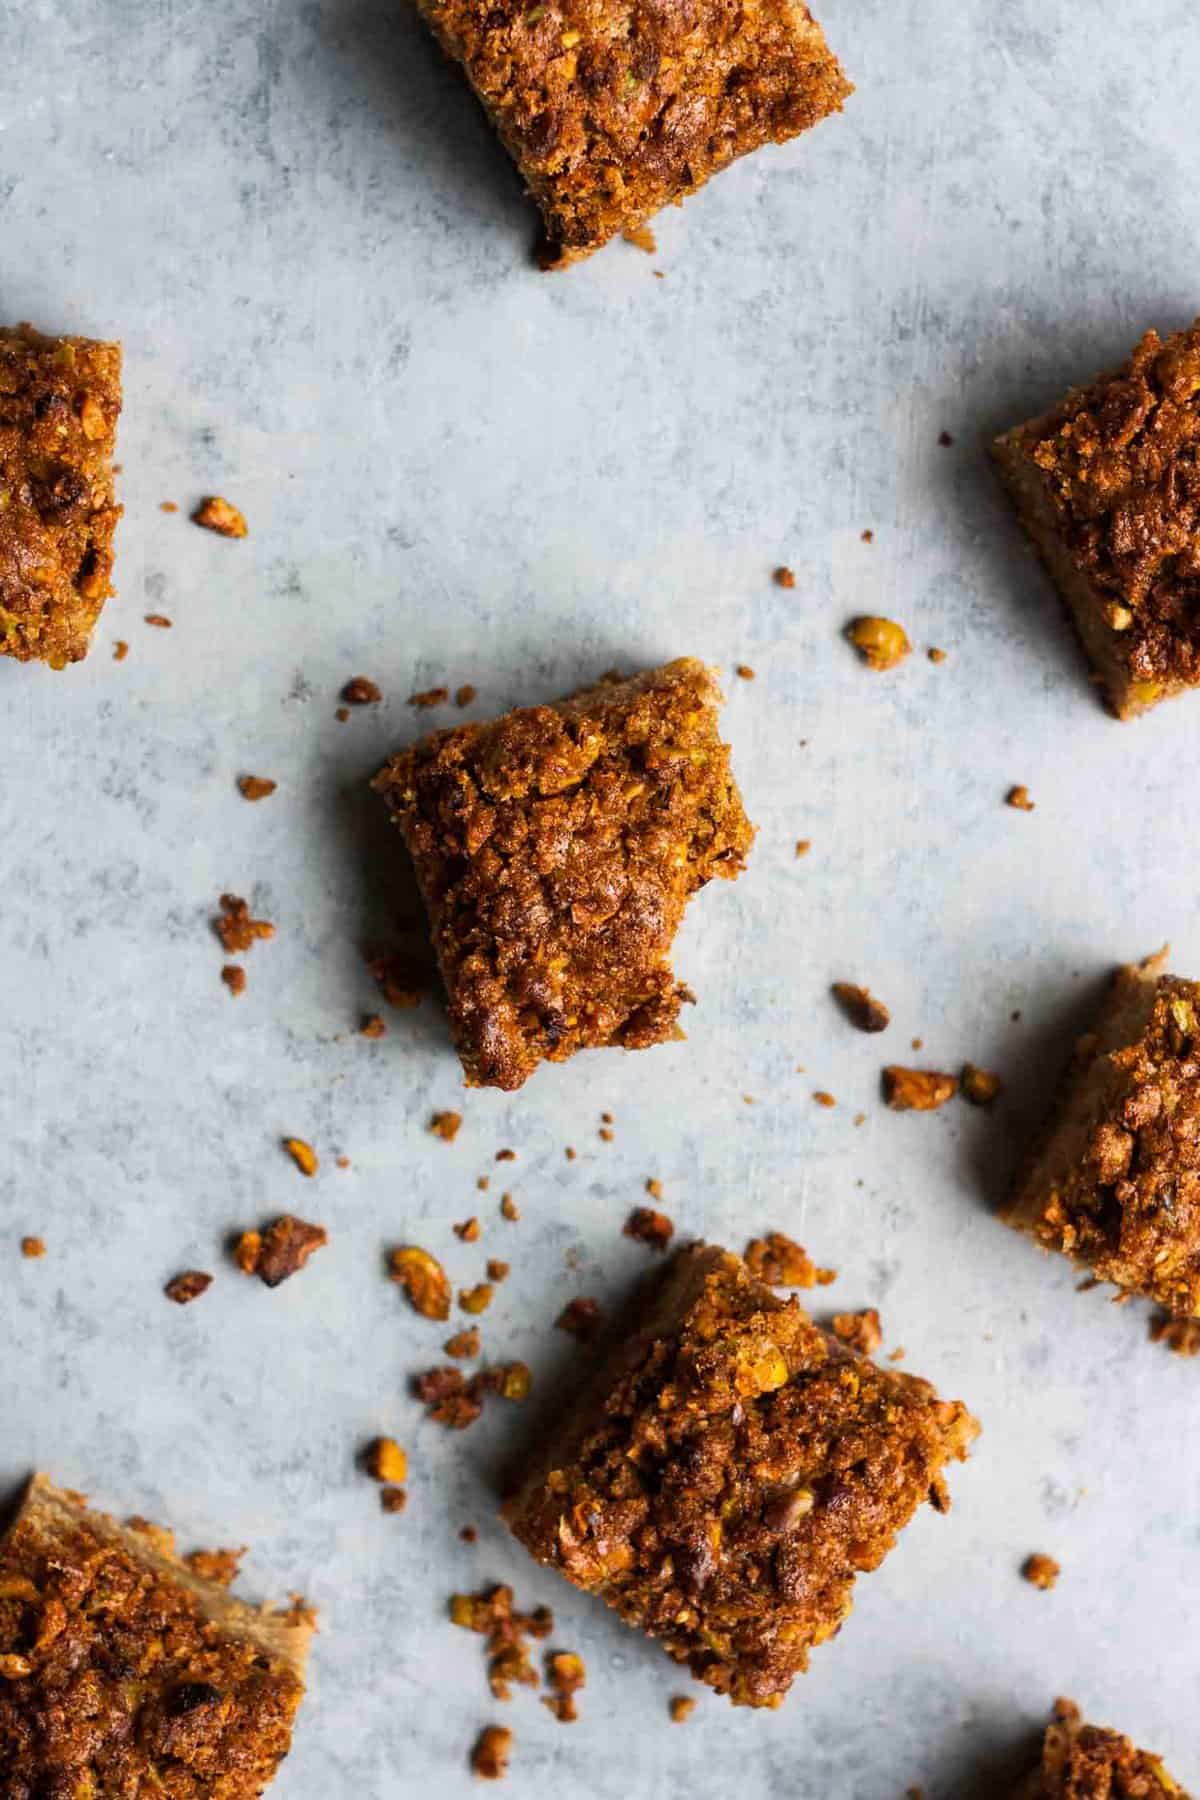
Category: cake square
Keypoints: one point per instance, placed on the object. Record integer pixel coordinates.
(1114, 1179)
(611, 113)
(60, 399)
(1107, 485)
(729, 1473)
(122, 1672)
(556, 849)
(1084, 1762)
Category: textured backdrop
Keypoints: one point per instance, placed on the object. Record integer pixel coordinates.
(456, 469)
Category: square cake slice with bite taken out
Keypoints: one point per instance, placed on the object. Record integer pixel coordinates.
(730, 1472)
(556, 849)
(122, 1672)
(1107, 484)
(1114, 1179)
(60, 399)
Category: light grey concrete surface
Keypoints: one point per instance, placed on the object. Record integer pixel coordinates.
(456, 469)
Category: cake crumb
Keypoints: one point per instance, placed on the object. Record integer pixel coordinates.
(506, 1156)
(256, 787)
(641, 237)
(1182, 1336)
(168, 506)
(464, 695)
(279, 1252)
(581, 1319)
(435, 696)
(393, 1499)
(862, 1331)
(565, 1675)
(681, 1708)
(303, 1155)
(446, 1125)
(945, 440)
(464, 1345)
(745, 672)
(493, 1748)
(509, 1209)
(423, 1279)
(385, 1460)
(160, 620)
(342, 714)
(1018, 797)
(654, 1187)
(237, 931)
(189, 1286)
(218, 1566)
(648, 1227)
(570, 1153)
(497, 1270)
(468, 1534)
(917, 1090)
(476, 1299)
(881, 643)
(980, 1086)
(780, 1261)
(32, 1248)
(483, 1183)
(868, 536)
(372, 1026)
(120, 650)
(1041, 1571)
(935, 655)
(468, 1230)
(824, 1099)
(861, 1007)
(219, 515)
(803, 846)
(360, 690)
(784, 577)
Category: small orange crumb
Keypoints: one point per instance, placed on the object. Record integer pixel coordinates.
(641, 237)
(917, 1043)
(896, 1355)
(435, 696)
(980, 1086)
(120, 650)
(803, 846)
(468, 1231)
(384, 1460)
(509, 1209)
(861, 1007)
(780, 1261)
(32, 1247)
(302, 1154)
(746, 672)
(445, 1125)
(234, 979)
(565, 1674)
(476, 1299)
(483, 1183)
(159, 619)
(167, 506)
(654, 1187)
(784, 577)
(917, 1090)
(506, 1156)
(216, 514)
(868, 536)
(1041, 1571)
(651, 1228)
(1019, 797)
(497, 1270)
(256, 787)
(393, 1499)
(372, 1026)
(423, 1279)
(824, 1099)
(468, 1534)
(360, 690)
(493, 1747)
(880, 642)
(464, 695)
(682, 1707)
(343, 1162)
(580, 1318)
(570, 1153)
(218, 1566)
(463, 1344)
(189, 1286)
(237, 931)
(605, 1134)
(606, 1118)
(861, 1330)
(342, 714)
(279, 1252)
(935, 655)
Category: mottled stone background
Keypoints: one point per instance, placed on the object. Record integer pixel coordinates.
(456, 469)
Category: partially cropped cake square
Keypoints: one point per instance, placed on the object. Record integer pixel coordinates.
(1087, 1762)
(611, 113)
(556, 849)
(123, 1672)
(60, 399)
(730, 1472)
(1114, 1179)
(1107, 484)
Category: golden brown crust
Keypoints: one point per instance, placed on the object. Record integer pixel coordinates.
(60, 399)
(123, 1672)
(1082, 1762)
(1114, 1181)
(1108, 484)
(611, 114)
(556, 849)
(730, 1472)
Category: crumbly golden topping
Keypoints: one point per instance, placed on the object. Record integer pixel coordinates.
(556, 849)
(120, 1673)
(1121, 463)
(735, 1469)
(611, 114)
(1129, 1207)
(1082, 1762)
(60, 399)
